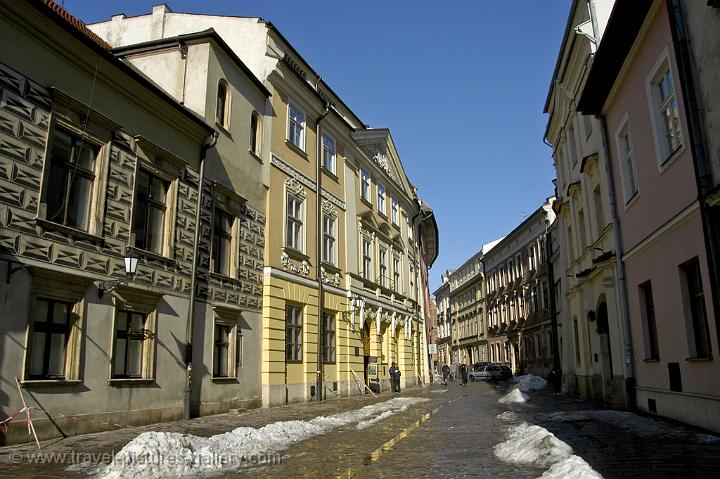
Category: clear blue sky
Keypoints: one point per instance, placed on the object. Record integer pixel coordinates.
(461, 84)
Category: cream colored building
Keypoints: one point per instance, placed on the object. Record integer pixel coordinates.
(468, 312)
(367, 251)
(594, 330)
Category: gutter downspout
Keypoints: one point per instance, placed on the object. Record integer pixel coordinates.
(553, 306)
(703, 173)
(620, 267)
(318, 254)
(209, 143)
(416, 247)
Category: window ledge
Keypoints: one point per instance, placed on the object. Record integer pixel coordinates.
(699, 359)
(255, 155)
(670, 159)
(295, 254)
(331, 268)
(130, 381)
(367, 202)
(50, 382)
(222, 128)
(296, 149)
(223, 380)
(330, 174)
(68, 230)
(150, 255)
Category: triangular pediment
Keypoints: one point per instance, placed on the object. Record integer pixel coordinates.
(368, 220)
(378, 146)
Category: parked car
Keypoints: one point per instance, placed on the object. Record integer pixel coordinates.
(486, 373)
(506, 372)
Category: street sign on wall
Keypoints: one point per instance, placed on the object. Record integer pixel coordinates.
(432, 348)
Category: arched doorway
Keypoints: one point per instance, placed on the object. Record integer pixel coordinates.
(602, 328)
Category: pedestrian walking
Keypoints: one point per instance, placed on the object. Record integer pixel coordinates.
(453, 371)
(445, 373)
(464, 374)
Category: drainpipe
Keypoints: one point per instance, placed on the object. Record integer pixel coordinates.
(318, 255)
(594, 22)
(209, 143)
(553, 306)
(703, 173)
(620, 268)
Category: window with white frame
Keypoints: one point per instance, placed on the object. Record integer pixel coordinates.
(293, 334)
(222, 109)
(294, 223)
(72, 173)
(296, 126)
(328, 152)
(222, 242)
(409, 228)
(383, 267)
(365, 185)
(132, 337)
(627, 159)
(381, 199)
(151, 222)
(666, 119)
(394, 216)
(329, 239)
(367, 258)
(396, 274)
(255, 133)
(328, 332)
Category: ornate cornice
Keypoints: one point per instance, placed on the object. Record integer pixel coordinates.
(329, 209)
(296, 188)
(333, 279)
(307, 182)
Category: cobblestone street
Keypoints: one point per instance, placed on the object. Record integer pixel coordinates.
(452, 435)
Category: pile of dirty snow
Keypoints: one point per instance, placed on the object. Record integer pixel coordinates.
(528, 382)
(536, 446)
(641, 426)
(508, 416)
(532, 445)
(514, 396)
(168, 454)
(574, 467)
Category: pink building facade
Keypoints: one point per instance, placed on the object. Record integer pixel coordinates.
(635, 85)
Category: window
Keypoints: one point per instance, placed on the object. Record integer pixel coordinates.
(599, 211)
(328, 152)
(648, 314)
(72, 176)
(367, 258)
(587, 125)
(695, 306)
(149, 212)
(576, 338)
(383, 267)
(412, 282)
(381, 199)
(296, 126)
(665, 110)
(294, 223)
(293, 334)
(396, 274)
(365, 185)
(255, 133)
(630, 182)
(49, 339)
(581, 229)
(328, 338)
(238, 351)
(222, 242)
(570, 248)
(329, 239)
(572, 147)
(222, 110)
(131, 333)
(409, 228)
(394, 216)
(221, 351)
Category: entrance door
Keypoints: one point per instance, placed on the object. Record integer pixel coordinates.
(603, 331)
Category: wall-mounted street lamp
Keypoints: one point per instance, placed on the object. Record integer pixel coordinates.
(130, 270)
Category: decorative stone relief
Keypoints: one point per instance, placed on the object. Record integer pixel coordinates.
(287, 264)
(333, 280)
(329, 209)
(366, 233)
(296, 188)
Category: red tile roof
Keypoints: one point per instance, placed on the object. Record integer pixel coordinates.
(65, 16)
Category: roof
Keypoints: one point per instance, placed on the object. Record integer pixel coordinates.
(77, 24)
(621, 32)
(77, 28)
(561, 54)
(210, 33)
